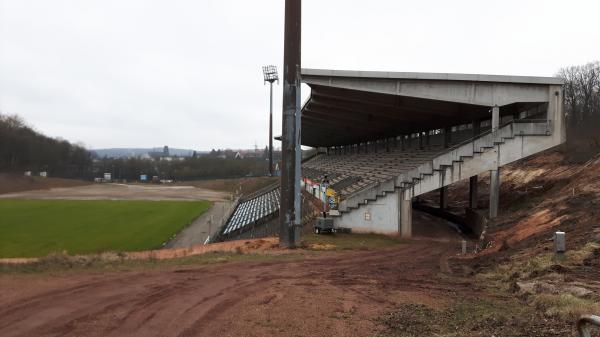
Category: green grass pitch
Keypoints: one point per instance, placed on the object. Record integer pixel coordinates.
(34, 228)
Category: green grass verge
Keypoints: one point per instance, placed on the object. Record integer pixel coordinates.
(34, 228)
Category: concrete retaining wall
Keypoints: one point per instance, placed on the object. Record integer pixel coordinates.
(379, 216)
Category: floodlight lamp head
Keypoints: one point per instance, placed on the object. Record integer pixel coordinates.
(270, 73)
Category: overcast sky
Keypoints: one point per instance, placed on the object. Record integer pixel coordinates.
(142, 73)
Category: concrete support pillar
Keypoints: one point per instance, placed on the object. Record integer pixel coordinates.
(402, 140)
(405, 214)
(444, 197)
(427, 137)
(447, 136)
(495, 118)
(421, 143)
(494, 192)
(473, 191)
(476, 128)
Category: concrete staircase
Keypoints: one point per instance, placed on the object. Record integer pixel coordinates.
(488, 151)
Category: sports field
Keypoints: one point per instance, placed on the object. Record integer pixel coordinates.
(33, 228)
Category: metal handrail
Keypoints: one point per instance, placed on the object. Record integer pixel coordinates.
(260, 192)
(514, 121)
(584, 324)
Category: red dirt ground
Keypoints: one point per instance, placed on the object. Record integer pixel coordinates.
(334, 294)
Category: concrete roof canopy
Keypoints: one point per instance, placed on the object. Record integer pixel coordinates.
(348, 107)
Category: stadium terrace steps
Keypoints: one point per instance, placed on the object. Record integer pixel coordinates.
(435, 169)
(351, 173)
(253, 210)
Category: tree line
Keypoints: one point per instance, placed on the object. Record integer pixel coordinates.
(24, 149)
(582, 106)
(181, 168)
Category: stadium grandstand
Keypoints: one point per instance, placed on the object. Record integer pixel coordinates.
(252, 211)
(384, 138)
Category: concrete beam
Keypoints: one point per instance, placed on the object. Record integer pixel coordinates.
(486, 90)
(306, 72)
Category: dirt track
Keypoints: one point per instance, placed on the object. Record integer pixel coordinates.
(122, 192)
(334, 294)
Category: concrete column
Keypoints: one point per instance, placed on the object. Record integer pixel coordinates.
(447, 136)
(421, 140)
(402, 139)
(427, 137)
(476, 128)
(556, 114)
(495, 118)
(473, 192)
(494, 192)
(443, 197)
(405, 215)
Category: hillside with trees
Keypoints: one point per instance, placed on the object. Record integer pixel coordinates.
(24, 149)
(582, 107)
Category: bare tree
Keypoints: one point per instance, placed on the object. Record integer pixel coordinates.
(582, 104)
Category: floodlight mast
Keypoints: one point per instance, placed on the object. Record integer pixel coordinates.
(270, 73)
(289, 231)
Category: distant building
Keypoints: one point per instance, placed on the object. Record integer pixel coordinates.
(161, 155)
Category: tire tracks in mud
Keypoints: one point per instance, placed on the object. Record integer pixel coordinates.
(201, 301)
